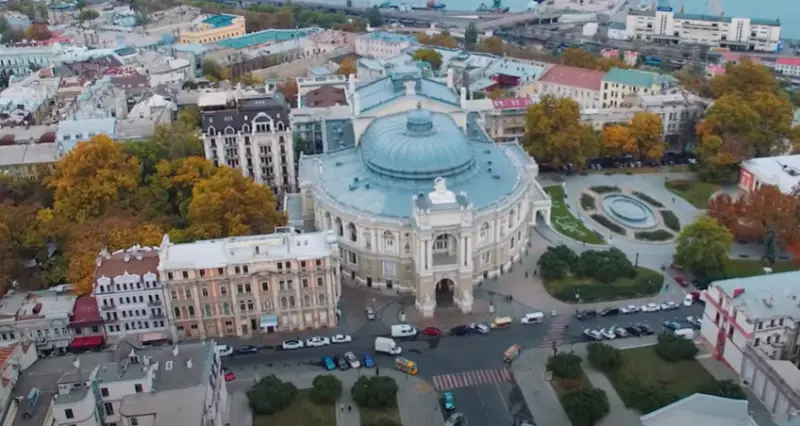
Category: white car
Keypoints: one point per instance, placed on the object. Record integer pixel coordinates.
(630, 309)
(592, 334)
(352, 360)
(480, 328)
(688, 300)
(608, 333)
(317, 341)
(292, 344)
(341, 338)
(668, 306)
(651, 307)
(224, 350)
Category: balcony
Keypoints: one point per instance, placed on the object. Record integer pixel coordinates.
(108, 308)
(154, 303)
(159, 315)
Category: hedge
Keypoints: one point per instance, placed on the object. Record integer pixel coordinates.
(659, 235)
(608, 223)
(587, 202)
(671, 220)
(646, 283)
(604, 189)
(648, 199)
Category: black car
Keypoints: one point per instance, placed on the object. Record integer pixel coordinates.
(633, 330)
(607, 312)
(342, 363)
(460, 330)
(585, 315)
(645, 329)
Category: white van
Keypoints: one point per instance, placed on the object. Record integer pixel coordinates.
(686, 333)
(387, 345)
(532, 318)
(403, 330)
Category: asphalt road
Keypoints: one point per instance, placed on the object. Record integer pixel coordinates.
(653, 319)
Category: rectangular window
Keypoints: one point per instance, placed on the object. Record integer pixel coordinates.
(305, 282)
(223, 290)
(104, 392)
(185, 274)
(247, 288)
(69, 414)
(239, 289)
(109, 409)
(202, 273)
(205, 292)
(320, 282)
(265, 286)
(134, 421)
(138, 388)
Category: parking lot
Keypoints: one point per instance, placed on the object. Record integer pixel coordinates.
(654, 320)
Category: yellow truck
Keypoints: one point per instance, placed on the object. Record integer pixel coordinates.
(406, 366)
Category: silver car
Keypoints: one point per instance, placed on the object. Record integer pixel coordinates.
(370, 314)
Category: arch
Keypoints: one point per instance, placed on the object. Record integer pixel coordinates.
(339, 227)
(511, 220)
(280, 126)
(352, 232)
(328, 221)
(284, 303)
(229, 130)
(245, 128)
(177, 312)
(191, 310)
(211, 131)
(292, 303)
(445, 250)
(445, 292)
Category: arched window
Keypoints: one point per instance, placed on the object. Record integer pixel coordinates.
(511, 220)
(211, 131)
(177, 312)
(191, 310)
(328, 222)
(321, 299)
(339, 227)
(307, 300)
(485, 230)
(292, 303)
(245, 128)
(441, 242)
(408, 248)
(280, 126)
(388, 241)
(284, 303)
(351, 231)
(226, 308)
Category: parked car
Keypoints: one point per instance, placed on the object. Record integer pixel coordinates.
(681, 281)
(608, 333)
(630, 309)
(292, 344)
(592, 334)
(688, 300)
(368, 361)
(448, 401)
(645, 329)
(432, 332)
(352, 360)
(317, 341)
(456, 419)
(668, 306)
(460, 330)
(247, 349)
(607, 312)
(224, 350)
(342, 363)
(695, 322)
(328, 363)
(370, 313)
(341, 338)
(651, 307)
(229, 375)
(620, 332)
(585, 315)
(633, 330)
(480, 327)
(672, 325)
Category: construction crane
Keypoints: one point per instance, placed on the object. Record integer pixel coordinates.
(716, 7)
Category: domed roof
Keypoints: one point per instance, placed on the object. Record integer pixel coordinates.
(416, 145)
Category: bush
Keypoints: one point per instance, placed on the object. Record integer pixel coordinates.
(565, 365)
(608, 223)
(723, 388)
(603, 357)
(557, 262)
(605, 266)
(375, 392)
(643, 397)
(587, 202)
(326, 389)
(658, 235)
(585, 407)
(645, 284)
(680, 185)
(604, 189)
(674, 348)
(270, 395)
(671, 220)
(648, 199)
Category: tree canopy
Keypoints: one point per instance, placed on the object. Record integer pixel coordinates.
(442, 39)
(471, 36)
(347, 67)
(585, 407)
(270, 395)
(430, 56)
(494, 45)
(289, 90)
(577, 57)
(703, 248)
(555, 135)
(375, 392)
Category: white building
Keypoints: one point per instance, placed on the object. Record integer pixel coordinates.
(751, 325)
(782, 171)
(664, 25)
(130, 296)
(251, 132)
(162, 386)
(421, 198)
(701, 409)
(243, 286)
(44, 316)
(579, 84)
(382, 45)
(679, 112)
(788, 66)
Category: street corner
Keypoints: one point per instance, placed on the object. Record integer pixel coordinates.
(423, 387)
(448, 317)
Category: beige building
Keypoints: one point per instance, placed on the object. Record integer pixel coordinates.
(580, 84)
(211, 29)
(505, 122)
(255, 284)
(621, 84)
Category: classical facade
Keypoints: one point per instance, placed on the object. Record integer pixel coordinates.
(248, 285)
(423, 201)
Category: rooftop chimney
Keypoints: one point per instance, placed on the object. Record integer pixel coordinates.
(737, 292)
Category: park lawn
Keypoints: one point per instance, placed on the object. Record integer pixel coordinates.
(562, 386)
(594, 291)
(302, 412)
(698, 193)
(369, 417)
(565, 222)
(740, 268)
(643, 365)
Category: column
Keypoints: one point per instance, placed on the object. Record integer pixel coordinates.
(429, 253)
(464, 256)
(255, 287)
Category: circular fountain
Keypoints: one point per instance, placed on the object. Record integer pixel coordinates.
(629, 211)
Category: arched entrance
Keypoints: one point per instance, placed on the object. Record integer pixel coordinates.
(445, 292)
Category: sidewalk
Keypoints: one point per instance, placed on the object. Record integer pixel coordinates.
(345, 417)
(529, 373)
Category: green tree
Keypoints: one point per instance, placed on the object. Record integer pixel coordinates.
(565, 365)
(554, 133)
(723, 388)
(577, 57)
(703, 248)
(557, 262)
(326, 389)
(374, 17)
(375, 392)
(213, 71)
(605, 265)
(674, 348)
(471, 36)
(644, 397)
(493, 45)
(585, 407)
(604, 357)
(430, 56)
(347, 67)
(88, 15)
(270, 395)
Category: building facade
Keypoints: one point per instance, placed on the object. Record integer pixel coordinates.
(245, 286)
(505, 122)
(251, 132)
(788, 66)
(664, 25)
(382, 45)
(679, 112)
(43, 318)
(130, 296)
(423, 201)
(213, 29)
(86, 324)
(621, 84)
(781, 171)
(579, 84)
(20, 60)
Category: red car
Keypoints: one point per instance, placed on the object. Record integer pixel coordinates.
(697, 296)
(681, 281)
(229, 376)
(432, 332)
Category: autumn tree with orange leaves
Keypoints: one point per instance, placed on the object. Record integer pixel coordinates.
(616, 140)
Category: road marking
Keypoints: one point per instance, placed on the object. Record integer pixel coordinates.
(465, 379)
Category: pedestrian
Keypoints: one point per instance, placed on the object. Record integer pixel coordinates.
(349, 408)
(377, 371)
(342, 407)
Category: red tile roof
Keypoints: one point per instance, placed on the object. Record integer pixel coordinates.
(574, 77)
(85, 311)
(511, 103)
(116, 264)
(793, 62)
(5, 354)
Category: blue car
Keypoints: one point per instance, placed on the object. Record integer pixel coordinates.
(447, 400)
(368, 362)
(328, 363)
(246, 349)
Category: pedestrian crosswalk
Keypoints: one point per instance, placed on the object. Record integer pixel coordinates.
(556, 332)
(466, 379)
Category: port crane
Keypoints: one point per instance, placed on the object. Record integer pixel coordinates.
(716, 7)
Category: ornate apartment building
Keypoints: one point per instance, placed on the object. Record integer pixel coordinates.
(242, 286)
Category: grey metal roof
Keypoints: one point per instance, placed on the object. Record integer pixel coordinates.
(387, 89)
(701, 409)
(766, 296)
(272, 104)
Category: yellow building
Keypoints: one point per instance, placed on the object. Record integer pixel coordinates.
(214, 29)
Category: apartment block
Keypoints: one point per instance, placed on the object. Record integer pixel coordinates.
(245, 286)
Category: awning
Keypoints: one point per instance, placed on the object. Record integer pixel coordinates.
(149, 337)
(268, 320)
(87, 341)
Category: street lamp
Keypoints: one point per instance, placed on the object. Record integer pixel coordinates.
(636, 263)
